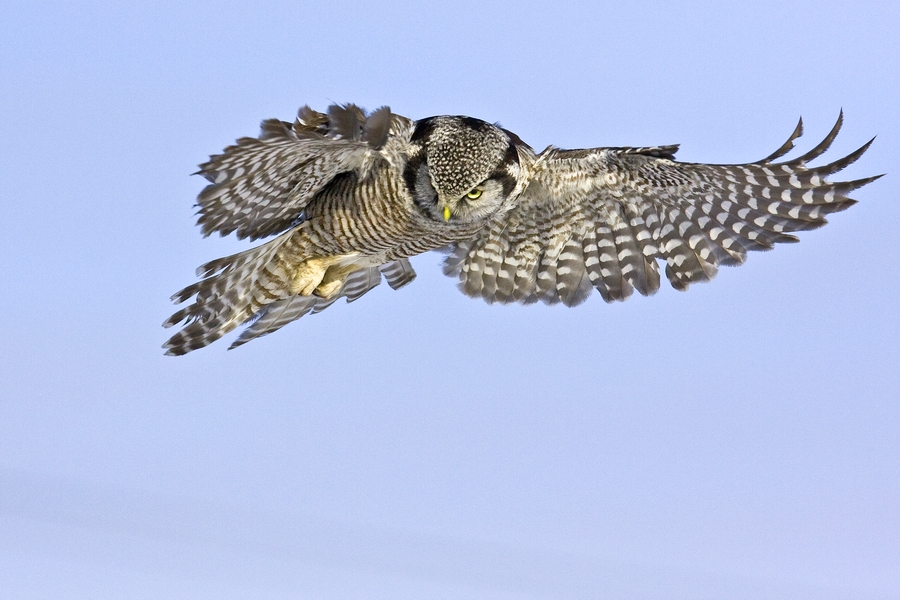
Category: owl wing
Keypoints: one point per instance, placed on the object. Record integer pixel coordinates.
(601, 218)
(260, 186)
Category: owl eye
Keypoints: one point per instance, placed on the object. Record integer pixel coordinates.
(474, 194)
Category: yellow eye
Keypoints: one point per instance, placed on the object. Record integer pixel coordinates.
(474, 194)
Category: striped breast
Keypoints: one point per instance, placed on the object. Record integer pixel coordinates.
(376, 216)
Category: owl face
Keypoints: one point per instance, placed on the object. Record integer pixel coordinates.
(462, 170)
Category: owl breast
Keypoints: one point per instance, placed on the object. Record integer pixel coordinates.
(375, 216)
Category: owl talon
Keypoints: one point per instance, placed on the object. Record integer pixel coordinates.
(309, 275)
(321, 276)
(334, 280)
(327, 290)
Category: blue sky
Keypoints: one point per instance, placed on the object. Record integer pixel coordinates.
(740, 440)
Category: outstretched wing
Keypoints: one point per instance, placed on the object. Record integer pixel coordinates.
(260, 186)
(601, 218)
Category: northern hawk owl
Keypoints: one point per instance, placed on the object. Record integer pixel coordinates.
(350, 196)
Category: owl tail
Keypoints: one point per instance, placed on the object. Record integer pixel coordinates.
(232, 290)
(252, 286)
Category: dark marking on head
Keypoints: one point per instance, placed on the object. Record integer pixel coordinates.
(506, 179)
(505, 173)
(476, 124)
(418, 183)
(423, 129)
(410, 172)
(512, 155)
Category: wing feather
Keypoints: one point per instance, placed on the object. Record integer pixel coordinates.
(573, 285)
(640, 215)
(608, 262)
(260, 186)
(276, 315)
(397, 273)
(603, 217)
(630, 257)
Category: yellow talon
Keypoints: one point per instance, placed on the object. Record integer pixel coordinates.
(446, 213)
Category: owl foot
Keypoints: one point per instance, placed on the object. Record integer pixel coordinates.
(334, 280)
(327, 290)
(323, 277)
(310, 273)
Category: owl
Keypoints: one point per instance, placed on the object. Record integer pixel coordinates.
(349, 196)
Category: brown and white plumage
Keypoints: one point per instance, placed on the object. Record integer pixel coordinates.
(351, 196)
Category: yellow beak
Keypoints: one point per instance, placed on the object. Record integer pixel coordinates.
(446, 213)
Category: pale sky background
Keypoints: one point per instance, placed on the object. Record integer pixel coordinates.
(740, 440)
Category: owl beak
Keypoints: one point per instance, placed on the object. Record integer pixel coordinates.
(446, 213)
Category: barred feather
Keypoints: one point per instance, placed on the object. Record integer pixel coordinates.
(398, 273)
(641, 206)
(604, 269)
(275, 316)
(630, 258)
(639, 217)
(278, 314)
(573, 285)
(260, 186)
(225, 298)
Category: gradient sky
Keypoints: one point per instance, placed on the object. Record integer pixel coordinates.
(740, 440)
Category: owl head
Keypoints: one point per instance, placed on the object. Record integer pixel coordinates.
(461, 169)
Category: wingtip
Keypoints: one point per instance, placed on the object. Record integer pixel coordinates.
(858, 183)
(822, 146)
(787, 146)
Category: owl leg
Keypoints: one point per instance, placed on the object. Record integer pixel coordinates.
(310, 273)
(334, 280)
(322, 276)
